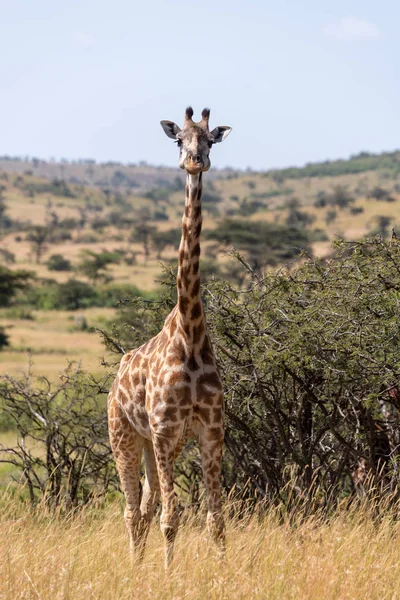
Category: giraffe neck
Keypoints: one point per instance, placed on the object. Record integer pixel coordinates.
(188, 279)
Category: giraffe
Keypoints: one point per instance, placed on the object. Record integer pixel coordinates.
(169, 388)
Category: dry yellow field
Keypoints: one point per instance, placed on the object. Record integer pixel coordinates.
(54, 341)
(86, 556)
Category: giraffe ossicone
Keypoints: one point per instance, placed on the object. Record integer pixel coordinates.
(170, 388)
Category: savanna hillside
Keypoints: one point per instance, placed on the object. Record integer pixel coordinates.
(309, 354)
(105, 228)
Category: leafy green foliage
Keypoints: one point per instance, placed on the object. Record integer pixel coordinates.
(4, 339)
(331, 168)
(310, 362)
(56, 187)
(67, 421)
(311, 366)
(264, 243)
(11, 282)
(297, 217)
(57, 262)
(380, 193)
(162, 239)
(75, 294)
(94, 265)
(38, 237)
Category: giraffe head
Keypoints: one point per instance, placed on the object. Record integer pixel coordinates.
(195, 140)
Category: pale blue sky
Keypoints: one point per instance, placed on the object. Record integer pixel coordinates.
(297, 80)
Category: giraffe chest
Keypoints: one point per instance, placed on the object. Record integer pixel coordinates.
(179, 397)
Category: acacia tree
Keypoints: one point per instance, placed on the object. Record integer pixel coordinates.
(142, 233)
(11, 282)
(94, 265)
(310, 361)
(38, 236)
(68, 422)
(163, 239)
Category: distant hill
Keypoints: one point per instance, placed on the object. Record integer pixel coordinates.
(359, 163)
(142, 176)
(113, 175)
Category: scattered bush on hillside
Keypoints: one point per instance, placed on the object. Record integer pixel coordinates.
(59, 235)
(248, 207)
(120, 219)
(11, 283)
(162, 239)
(6, 256)
(340, 197)
(322, 199)
(272, 193)
(57, 262)
(114, 294)
(120, 178)
(71, 295)
(56, 187)
(6, 223)
(142, 233)
(160, 194)
(75, 294)
(87, 237)
(356, 210)
(297, 217)
(99, 223)
(38, 237)
(318, 235)
(381, 224)
(360, 163)
(264, 243)
(4, 338)
(94, 265)
(381, 194)
(160, 215)
(330, 216)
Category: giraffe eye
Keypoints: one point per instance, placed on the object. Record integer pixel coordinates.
(210, 144)
(179, 142)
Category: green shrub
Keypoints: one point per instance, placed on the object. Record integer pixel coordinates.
(4, 339)
(72, 295)
(111, 294)
(56, 187)
(264, 243)
(310, 362)
(57, 262)
(11, 283)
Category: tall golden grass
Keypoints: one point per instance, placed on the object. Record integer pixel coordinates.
(350, 555)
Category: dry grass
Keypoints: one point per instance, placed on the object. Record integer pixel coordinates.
(86, 556)
(54, 341)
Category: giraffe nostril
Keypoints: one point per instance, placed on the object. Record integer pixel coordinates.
(197, 157)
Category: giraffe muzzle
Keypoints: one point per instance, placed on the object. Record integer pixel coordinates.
(194, 164)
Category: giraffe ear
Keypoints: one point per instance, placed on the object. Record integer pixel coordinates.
(171, 129)
(220, 133)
